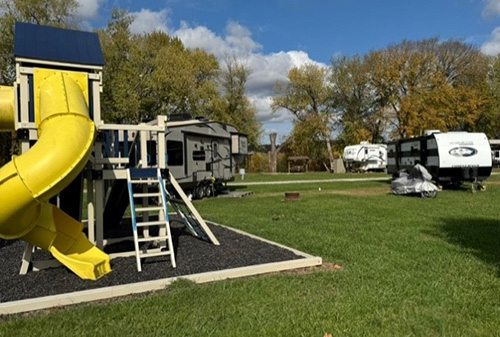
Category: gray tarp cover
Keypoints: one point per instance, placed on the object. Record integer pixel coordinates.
(418, 181)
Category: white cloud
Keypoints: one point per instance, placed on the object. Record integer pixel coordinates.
(203, 38)
(266, 69)
(147, 21)
(492, 46)
(88, 9)
(239, 38)
(491, 8)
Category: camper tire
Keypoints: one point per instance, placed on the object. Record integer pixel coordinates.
(428, 194)
(207, 190)
(199, 192)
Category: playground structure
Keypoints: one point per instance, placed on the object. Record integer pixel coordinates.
(54, 107)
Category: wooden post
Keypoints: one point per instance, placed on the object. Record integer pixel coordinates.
(273, 153)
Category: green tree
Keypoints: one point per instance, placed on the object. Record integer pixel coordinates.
(57, 13)
(360, 115)
(430, 85)
(120, 100)
(407, 88)
(237, 109)
(307, 140)
(183, 81)
(306, 96)
(151, 74)
(489, 119)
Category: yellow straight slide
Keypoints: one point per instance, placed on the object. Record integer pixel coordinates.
(65, 139)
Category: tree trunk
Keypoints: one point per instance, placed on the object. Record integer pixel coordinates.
(330, 155)
(273, 153)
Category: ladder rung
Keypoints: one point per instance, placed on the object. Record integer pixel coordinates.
(142, 195)
(147, 209)
(150, 223)
(145, 181)
(153, 238)
(154, 254)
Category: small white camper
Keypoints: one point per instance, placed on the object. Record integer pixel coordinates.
(451, 157)
(365, 157)
(496, 157)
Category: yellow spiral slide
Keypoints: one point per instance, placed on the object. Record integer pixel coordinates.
(65, 138)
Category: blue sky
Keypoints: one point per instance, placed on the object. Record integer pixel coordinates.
(272, 36)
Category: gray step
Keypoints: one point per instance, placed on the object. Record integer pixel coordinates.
(149, 209)
(144, 181)
(154, 254)
(151, 223)
(149, 194)
(153, 238)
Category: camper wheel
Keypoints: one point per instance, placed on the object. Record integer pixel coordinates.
(428, 194)
(207, 190)
(203, 190)
(199, 192)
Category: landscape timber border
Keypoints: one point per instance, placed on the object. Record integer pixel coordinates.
(85, 296)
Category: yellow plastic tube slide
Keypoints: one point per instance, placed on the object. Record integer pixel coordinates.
(6, 108)
(65, 139)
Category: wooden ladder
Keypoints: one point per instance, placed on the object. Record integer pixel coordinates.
(147, 185)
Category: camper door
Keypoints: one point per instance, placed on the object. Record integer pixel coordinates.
(198, 161)
(221, 162)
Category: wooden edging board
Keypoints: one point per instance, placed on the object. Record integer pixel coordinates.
(60, 300)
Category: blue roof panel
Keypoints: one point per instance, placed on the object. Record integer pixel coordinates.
(56, 44)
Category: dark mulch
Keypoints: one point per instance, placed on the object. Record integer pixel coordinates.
(192, 256)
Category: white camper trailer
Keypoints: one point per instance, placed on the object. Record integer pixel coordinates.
(452, 157)
(365, 157)
(495, 154)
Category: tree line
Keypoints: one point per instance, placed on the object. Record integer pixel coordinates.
(392, 93)
(398, 91)
(145, 75)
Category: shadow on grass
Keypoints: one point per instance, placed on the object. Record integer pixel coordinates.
(236, 188)
(383, 182)
(479, 236)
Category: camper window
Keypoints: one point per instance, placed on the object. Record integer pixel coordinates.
(215, 150)
(199, 155)
(174, 153)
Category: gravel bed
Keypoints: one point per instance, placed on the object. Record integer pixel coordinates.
(193, 256)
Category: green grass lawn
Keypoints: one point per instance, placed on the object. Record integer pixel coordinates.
(409, 267)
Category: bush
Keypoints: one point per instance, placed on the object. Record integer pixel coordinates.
(258, 162)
